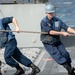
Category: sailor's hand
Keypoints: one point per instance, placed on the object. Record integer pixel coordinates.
(65, 34)
(17, 30)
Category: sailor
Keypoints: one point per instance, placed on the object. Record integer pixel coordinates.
(12, 54)
(51, 41)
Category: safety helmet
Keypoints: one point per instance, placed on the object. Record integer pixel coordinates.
(50, 8)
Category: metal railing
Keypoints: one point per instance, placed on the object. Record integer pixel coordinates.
(22, 1)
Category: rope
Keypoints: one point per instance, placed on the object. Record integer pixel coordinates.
(1, 13)
(72, 34)
(29, 32)
(24, 31)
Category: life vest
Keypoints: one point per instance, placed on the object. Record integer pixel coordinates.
(47, 38)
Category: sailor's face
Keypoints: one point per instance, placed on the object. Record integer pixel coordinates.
(50, 15)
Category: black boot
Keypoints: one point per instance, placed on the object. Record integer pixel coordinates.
(72, 72)
(19, 70)
(0, 72)
(35, 70)
(0, 68)
(69, 68)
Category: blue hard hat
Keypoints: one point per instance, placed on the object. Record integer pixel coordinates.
(50, 8)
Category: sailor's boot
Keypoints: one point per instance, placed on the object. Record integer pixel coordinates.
(19, 70)
(71, 72)
(69, 68)
(35, 70)
(0, 68)
(0, 72)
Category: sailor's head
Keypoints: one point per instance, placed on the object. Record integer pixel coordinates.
(50, 10)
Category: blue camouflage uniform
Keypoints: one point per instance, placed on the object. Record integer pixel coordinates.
(7, 40)
(52, 43)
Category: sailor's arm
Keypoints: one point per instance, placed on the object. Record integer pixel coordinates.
(63, 26)
(7, 20)
(71, 30)
(14, 21)
(53, 32)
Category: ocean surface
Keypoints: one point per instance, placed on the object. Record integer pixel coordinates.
(65, 10)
